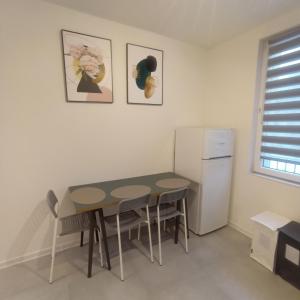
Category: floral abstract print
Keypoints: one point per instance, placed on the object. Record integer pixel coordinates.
(87, 68)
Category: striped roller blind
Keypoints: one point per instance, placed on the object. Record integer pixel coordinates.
(281, 117)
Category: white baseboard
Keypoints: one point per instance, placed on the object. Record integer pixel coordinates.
(240, 229)
(36, 254)
(64, 246)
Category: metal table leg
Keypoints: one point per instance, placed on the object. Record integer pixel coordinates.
(103, 230)
(187, 218)
(92, 218)
(81, 238)
(177, 220)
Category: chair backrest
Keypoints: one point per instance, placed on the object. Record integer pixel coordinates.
(172, 196)
(133, 203)
(52, 202)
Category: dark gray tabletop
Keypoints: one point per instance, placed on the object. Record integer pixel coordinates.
(109, 186)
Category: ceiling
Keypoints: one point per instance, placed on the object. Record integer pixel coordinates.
(201, 22)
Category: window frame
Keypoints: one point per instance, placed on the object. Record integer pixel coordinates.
(261, 77)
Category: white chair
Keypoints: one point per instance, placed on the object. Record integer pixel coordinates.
(166, 209)
(127, 218)
(69, 225)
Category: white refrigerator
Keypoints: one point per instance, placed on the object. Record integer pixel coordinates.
(204, 155)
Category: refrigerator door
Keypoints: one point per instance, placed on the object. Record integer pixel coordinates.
(217, 143)
(216, 181)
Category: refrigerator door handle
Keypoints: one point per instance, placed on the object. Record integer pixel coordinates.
(220, 157)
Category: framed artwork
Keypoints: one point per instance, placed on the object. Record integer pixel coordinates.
(87, 68)
(144, 75)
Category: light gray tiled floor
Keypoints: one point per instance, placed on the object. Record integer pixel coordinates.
(217, 267)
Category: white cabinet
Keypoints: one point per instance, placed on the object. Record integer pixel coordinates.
(265, 235)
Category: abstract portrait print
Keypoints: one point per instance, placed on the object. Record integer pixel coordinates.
(144, 75)
(88, 74)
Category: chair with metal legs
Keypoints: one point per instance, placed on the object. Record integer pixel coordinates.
(127, 218)
(166, 209)
(68, 225)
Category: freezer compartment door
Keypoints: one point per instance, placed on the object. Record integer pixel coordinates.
(217, 143)
(216, 185)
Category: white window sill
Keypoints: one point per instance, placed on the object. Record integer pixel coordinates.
(272, 178)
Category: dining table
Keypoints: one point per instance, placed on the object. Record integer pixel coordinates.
(95, 197)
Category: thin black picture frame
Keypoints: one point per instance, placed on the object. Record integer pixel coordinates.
(162, 76)
(65, 73)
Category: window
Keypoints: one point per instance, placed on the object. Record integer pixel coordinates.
(277, 116)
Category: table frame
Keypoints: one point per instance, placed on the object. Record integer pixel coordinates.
(93, 210)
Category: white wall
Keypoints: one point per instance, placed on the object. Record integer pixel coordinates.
(229, 102)
(48, 143)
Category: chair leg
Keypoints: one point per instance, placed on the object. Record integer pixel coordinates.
(139, 232)
(120, 247)
(100, 250)
(159, 236)
(149, 232)
(53, 251)
(185, 225)
(129, 234)
(165, 225)
(81, 238)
